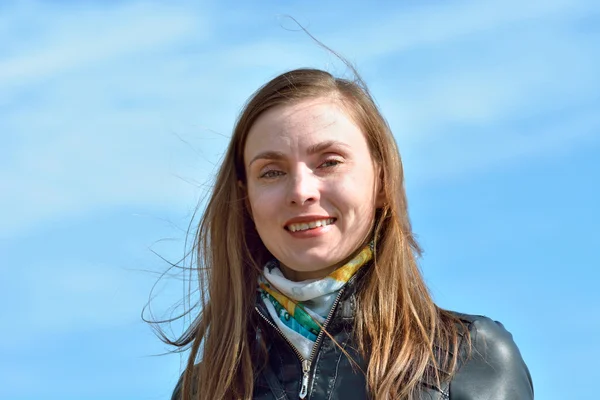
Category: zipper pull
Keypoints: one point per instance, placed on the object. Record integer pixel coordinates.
(305, 376)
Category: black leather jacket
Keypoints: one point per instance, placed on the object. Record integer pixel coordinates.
(494, 371)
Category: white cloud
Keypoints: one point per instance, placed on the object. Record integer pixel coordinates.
(87, 122)
(504, 85)
(70, 40)
(471, 153)
(446, 22)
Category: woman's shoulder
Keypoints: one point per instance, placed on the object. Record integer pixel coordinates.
(492, 365)
(178, 391)
(484, 328)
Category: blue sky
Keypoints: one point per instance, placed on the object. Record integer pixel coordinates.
(113, 115)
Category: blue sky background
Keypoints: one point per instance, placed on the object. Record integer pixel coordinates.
(112, 116)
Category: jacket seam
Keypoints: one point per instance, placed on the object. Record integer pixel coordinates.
(337, 365)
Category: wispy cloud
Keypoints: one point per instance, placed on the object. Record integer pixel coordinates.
(92, 101)
(445, 23)
(64, 41)
(86, 115)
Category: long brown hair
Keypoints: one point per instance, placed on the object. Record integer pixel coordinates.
(408, 338)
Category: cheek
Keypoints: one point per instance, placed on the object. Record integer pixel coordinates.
(355, 190)
(355, 197)
(262, 202)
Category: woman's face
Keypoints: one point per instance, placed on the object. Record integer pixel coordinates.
(312, 186)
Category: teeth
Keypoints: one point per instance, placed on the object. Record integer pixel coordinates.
(310, 225)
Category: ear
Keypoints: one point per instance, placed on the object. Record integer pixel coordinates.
(380, 198)
(246, 198)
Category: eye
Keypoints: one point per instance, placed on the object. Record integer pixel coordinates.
(330, 163)
(270, 174)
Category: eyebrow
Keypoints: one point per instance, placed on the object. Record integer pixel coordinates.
(268, 155)
(314, 149)
(319, 147)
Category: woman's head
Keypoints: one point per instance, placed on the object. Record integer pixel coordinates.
(309, 145)
(310, 149)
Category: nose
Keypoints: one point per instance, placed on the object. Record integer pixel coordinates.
(303, 187)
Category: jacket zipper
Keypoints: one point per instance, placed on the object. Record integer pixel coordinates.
(306, 364)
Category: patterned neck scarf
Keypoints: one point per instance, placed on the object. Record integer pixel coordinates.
(300, 308)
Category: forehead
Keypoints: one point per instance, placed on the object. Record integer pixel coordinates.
(296, 127)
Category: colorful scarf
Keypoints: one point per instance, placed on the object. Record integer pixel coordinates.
(300, 308)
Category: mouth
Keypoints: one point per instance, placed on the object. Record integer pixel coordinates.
(308, 225)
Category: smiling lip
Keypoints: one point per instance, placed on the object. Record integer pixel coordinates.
(293, 225)
(306, 219)
(309, 226)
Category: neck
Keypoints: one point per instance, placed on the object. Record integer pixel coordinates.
(299, 276)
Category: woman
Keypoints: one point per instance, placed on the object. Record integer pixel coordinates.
(308, 266)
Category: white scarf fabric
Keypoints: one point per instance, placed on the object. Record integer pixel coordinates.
(315, 297)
